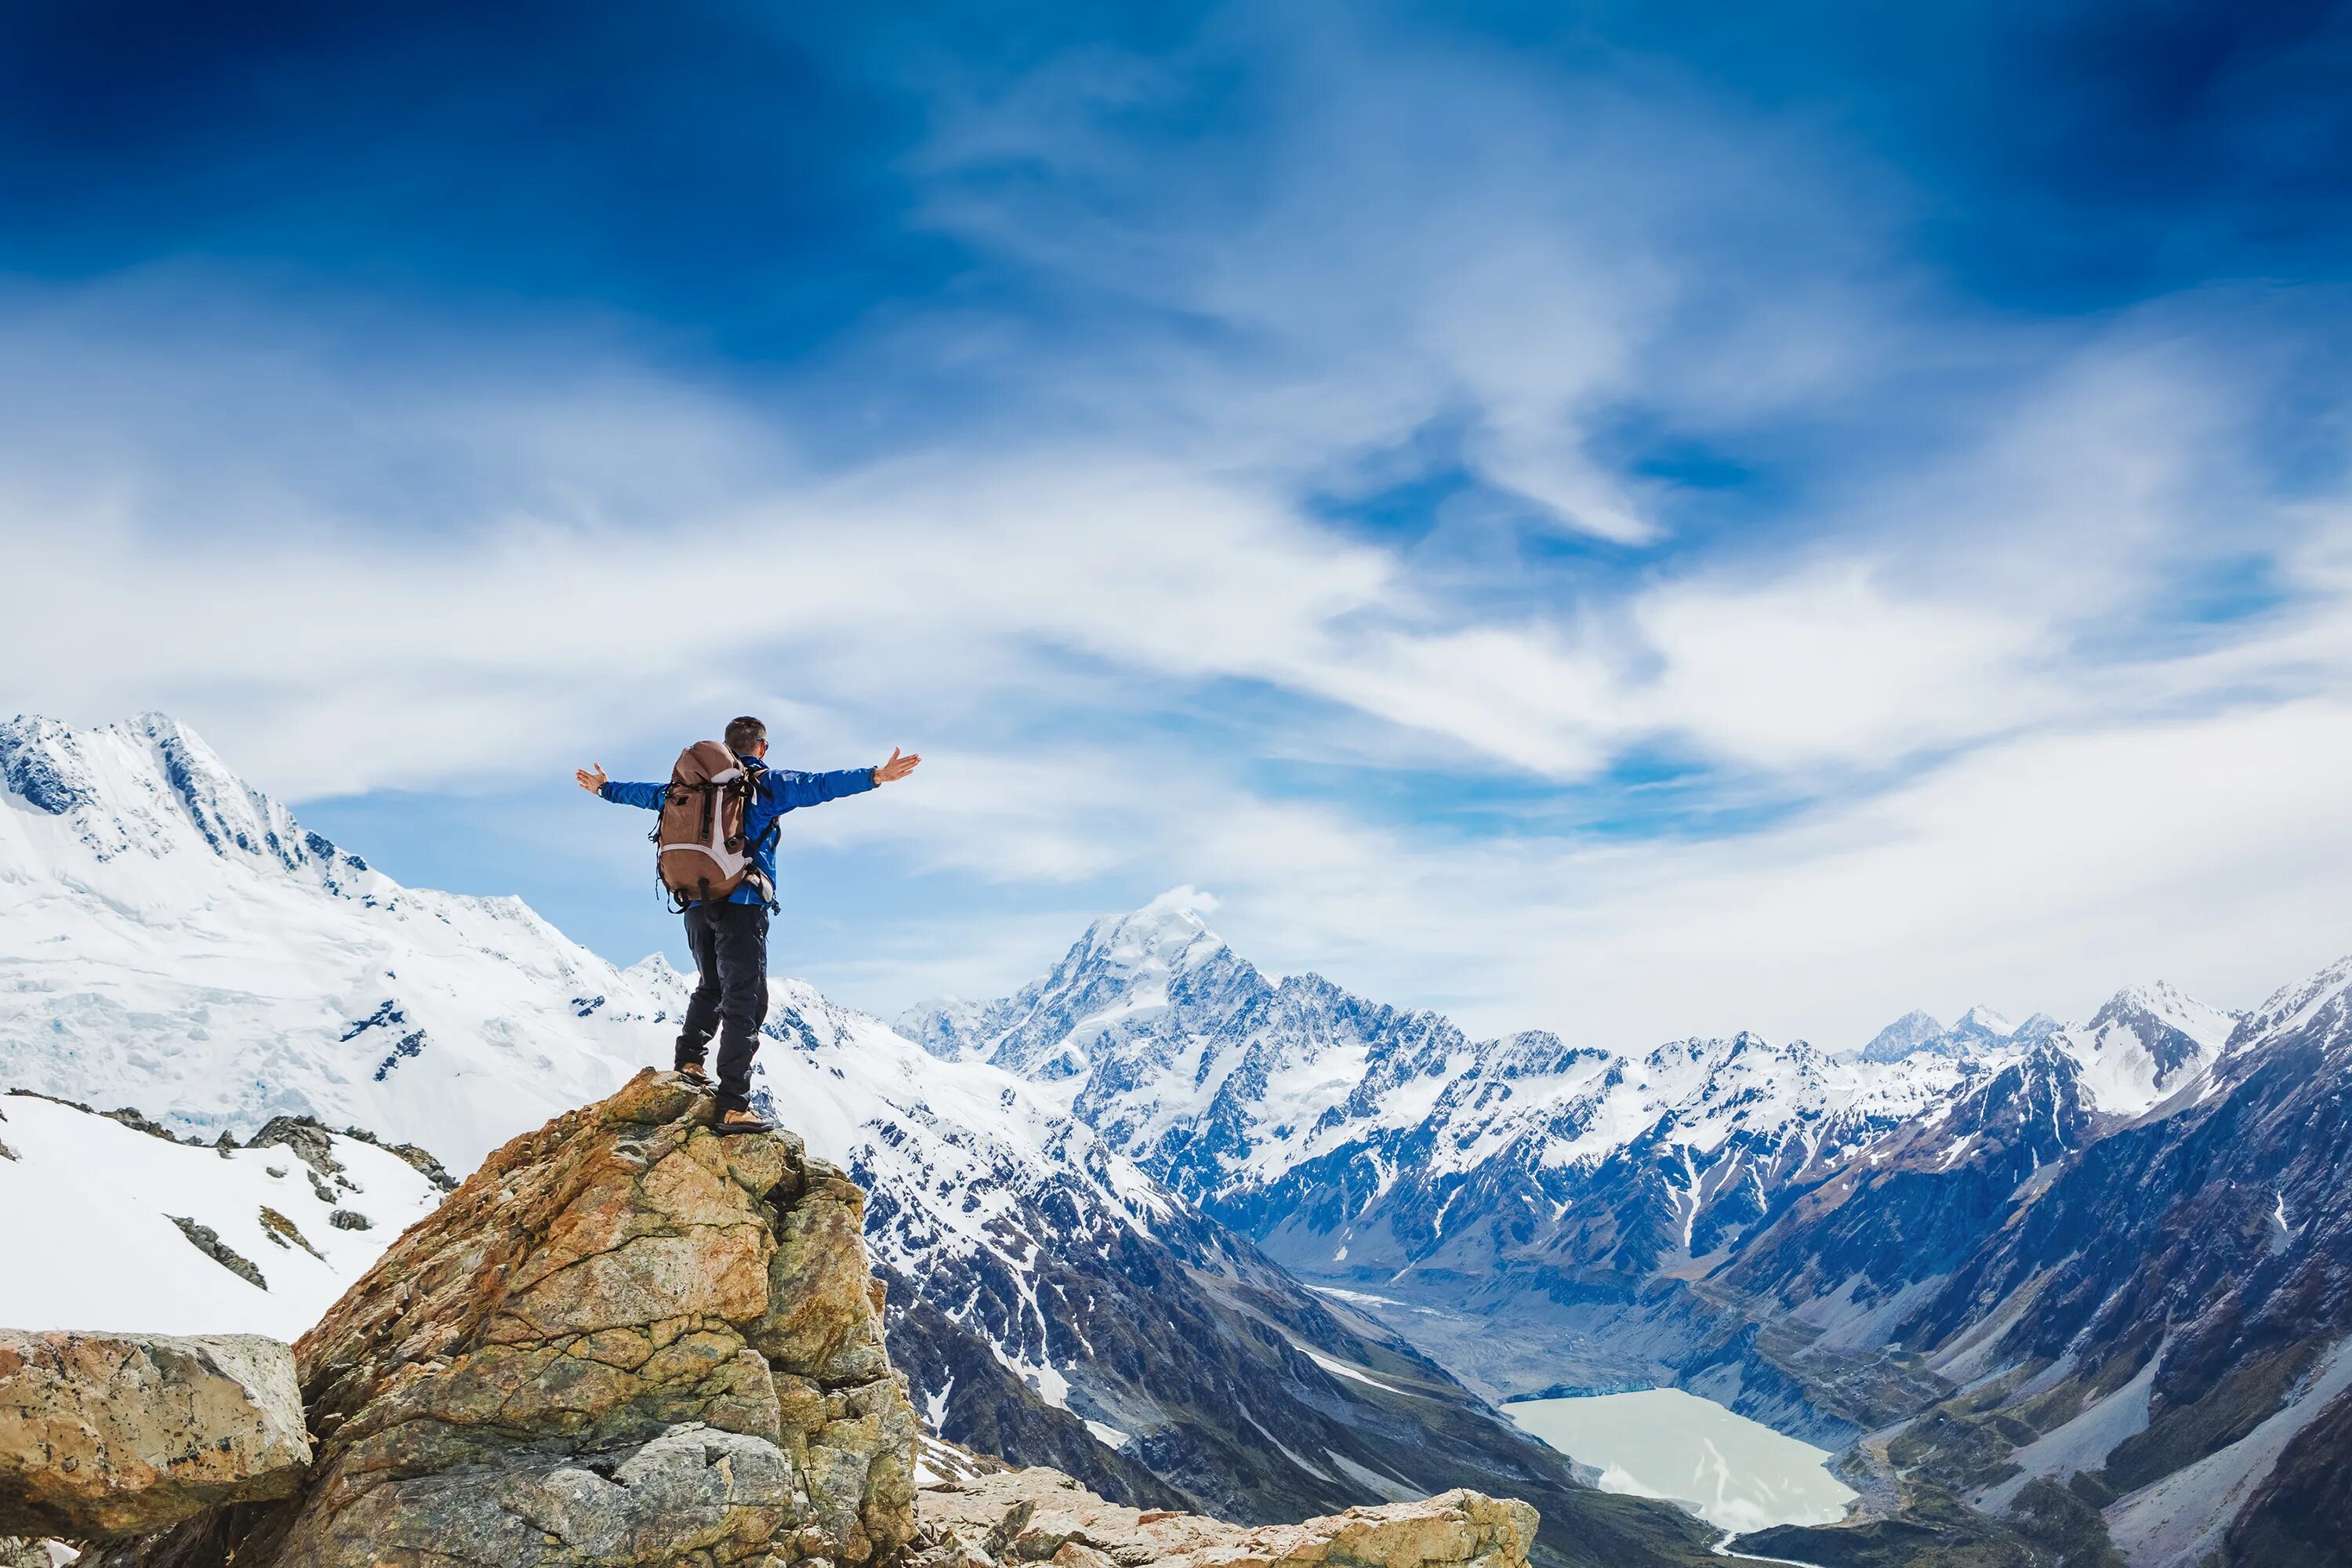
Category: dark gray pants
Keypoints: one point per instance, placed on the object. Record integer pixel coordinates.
(731, 953)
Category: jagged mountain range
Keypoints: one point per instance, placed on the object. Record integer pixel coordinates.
(1384, 1149)
(2109, 1259)
(175, 941)
(1990, 1257)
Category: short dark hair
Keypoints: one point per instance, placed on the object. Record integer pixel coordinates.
(745, 733)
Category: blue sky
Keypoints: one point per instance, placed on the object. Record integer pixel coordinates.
(1628, 519)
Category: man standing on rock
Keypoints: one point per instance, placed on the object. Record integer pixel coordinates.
(729, 935)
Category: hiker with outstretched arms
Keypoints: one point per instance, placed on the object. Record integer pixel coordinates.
(717, 860)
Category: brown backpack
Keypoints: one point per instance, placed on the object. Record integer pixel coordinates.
(703, 854)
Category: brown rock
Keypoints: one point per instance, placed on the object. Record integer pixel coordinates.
(107, 1434)
(1042, 1516)
(623, 1341)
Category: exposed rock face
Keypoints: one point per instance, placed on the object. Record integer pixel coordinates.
(17, 1552)
(624, 1340)
(104, 1435)
(1042, 1516)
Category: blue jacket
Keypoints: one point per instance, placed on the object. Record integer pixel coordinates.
(780, 790)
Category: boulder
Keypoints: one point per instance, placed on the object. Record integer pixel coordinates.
(17, 1552)
(110, 1435)
(1007, 1518)
(624, 1340)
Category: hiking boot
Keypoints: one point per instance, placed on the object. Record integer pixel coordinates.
(694, 1073)
(731, 1122)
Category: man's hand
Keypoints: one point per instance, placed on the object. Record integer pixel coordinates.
(891, 772)
(593, 783)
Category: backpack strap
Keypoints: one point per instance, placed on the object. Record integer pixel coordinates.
(753, 768)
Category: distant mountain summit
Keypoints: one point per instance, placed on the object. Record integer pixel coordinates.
(1356, 1139)
(1976, 1031)
(1115, 979)
(1912, 1032)
(2142, 1042)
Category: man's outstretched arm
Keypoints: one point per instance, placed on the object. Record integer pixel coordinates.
(648, 795)
(791, 790)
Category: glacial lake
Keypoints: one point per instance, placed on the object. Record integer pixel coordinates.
(1662, 1443)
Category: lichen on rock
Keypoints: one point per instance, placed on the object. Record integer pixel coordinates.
(622, 1341)
(105, 1435)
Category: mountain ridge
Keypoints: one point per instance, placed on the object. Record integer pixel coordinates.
(1156, 1131)
(1790, 1232)
(1028, 1258)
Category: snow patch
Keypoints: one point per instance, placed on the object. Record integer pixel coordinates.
(1341, 1369)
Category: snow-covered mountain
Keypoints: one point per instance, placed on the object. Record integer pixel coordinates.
(1503, 1202)
(1977, 1031)
(2142, 1041)
(1379, 1147)
(1095, 1199)
(1833, 1244)
(2157, 1321)
(174, 940)
(113, 1226)
(171, 938)
(1032, 1248)
(1912, 1032)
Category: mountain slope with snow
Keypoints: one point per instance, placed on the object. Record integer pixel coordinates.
(174, 940)
(1103, 1294)
(1831, 1244)
(104, 1225)
(2158, 1319)
(1360, 1143)
(1092, 1198)
(170, 938)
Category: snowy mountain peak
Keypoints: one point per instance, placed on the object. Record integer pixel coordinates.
(2040, 1026)
(1167, 934)
(175, 938)
(2142, 1044)
(149, 787)
(1111, 985)
(655, 968)
(1900, 1039)
(1975, 1029)
(2293, 1007)
(1983, 1021)
(2161, 1003)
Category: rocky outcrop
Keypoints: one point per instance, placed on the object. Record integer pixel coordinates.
(311, 1142)
(1039, 1516)
(623, 1341)
(107, 1434)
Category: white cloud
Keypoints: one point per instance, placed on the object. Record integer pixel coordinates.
(1045, 624)
(2040, 873)
(1094, 588)
(1828, 666)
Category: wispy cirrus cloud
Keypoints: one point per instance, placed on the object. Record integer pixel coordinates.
(1529, 527)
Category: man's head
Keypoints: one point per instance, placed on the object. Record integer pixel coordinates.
(747, 737)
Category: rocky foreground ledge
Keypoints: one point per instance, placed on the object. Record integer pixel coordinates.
(627, 1341)
(105, 1435)
(622, 1341)
(1040, 1516)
